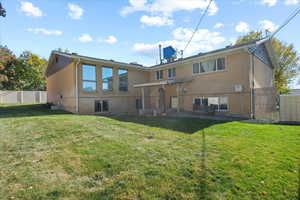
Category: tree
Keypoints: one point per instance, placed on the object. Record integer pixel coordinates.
(31, 71)
(287, 56)
(7, 65)
(2, 11)
(24, 73)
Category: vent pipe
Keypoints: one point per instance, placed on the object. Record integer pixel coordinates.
(160, 59)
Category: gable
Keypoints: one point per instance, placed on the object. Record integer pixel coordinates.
(57, 63)
(261, 53)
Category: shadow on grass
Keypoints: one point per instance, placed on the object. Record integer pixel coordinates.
(203, 176)
(13, 111)
(181, 124)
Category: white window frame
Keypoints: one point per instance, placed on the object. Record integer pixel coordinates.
(108, 103)
(173, 73)
(127, 86)
(216, 62)
(103, 80)
(89, 81)
(160, 74)
(218, 110)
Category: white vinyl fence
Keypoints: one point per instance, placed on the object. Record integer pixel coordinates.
(23, 97)
(290, 108)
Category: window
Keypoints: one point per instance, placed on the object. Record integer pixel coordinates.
(107, 79)
(221, 63)
(159, 75)
(196, 68)
(101, 106)
(218, 103)
(172, 72)
(89, 78)
(223, 104)
(123, 80)
(138, 104)
(213, 102)
(209, 66)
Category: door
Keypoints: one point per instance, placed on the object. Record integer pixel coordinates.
(161, 100)
(174, 102)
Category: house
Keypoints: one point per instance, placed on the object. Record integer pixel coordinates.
(236, 81)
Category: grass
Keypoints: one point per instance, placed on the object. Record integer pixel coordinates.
(55, 155)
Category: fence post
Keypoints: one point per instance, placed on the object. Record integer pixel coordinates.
(22, 100)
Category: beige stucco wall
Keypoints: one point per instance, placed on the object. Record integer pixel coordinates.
(120, 102)
(220, 83)
(263, 74)
(62, 84)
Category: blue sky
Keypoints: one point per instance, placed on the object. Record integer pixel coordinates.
(130, 30)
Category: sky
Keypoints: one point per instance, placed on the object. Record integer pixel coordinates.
(131, 30)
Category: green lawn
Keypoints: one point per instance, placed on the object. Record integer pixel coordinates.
(54, 155)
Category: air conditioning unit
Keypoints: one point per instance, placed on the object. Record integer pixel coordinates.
(238, 88)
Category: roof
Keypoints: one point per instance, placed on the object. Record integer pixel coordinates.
(75, 55)
(253, 43)
(233, 47)
(166, 82)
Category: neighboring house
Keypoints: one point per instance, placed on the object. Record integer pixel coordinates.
(236, 80)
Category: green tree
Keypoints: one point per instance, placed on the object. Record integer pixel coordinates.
(31, 72)
(287, 56)
(24, 73)
(8, 62)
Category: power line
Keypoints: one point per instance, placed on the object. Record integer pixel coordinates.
(197, 27)
(289, 19)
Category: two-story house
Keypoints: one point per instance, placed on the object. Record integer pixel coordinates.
(236, 80)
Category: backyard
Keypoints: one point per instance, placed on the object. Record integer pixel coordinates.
(48, 154)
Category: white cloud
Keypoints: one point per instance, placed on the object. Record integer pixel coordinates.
(167, 7)
(30, 10)
(85, 38)
(218, 25)
(45, 31)
(269, 2)
(75, 11)
(110, 40)
(291, 2)
(156, 21)
(268, 25)
(204, 40)
(242, 27)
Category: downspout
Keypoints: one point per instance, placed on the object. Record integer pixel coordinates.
(252, 88)
(76, 86)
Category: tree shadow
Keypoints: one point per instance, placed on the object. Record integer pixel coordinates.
(31, 110)
(182, 124)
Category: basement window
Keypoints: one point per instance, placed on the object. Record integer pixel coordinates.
(89, 83)
(101, 106)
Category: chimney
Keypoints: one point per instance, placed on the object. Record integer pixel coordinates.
(160, 59)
